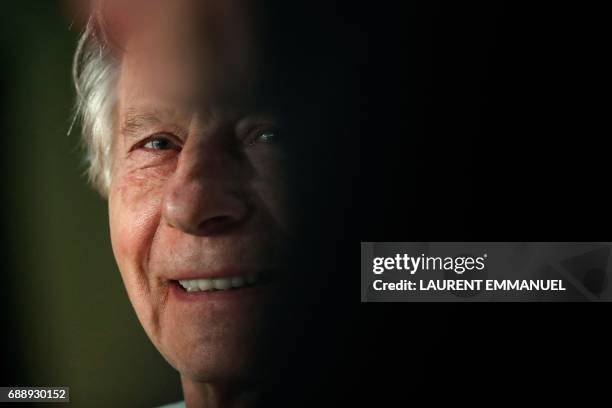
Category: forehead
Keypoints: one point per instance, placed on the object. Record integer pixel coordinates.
(185, 56)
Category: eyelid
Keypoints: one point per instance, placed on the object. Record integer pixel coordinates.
(251, 122)
(159, 135)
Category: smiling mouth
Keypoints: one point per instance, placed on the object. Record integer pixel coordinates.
(225, 283)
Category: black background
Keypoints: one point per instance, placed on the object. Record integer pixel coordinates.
(486, 121)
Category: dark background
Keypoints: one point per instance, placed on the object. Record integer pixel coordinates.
(490, 121)
(485, 121)
(427, 121)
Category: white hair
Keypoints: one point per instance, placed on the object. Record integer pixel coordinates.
(95, 71)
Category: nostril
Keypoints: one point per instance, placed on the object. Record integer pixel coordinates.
(217, 224)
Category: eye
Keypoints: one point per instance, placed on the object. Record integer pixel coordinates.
(160, 142)
(266, 136)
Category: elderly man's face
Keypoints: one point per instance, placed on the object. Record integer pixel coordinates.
(196, 200)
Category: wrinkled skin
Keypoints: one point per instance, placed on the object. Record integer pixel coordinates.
(196, 192)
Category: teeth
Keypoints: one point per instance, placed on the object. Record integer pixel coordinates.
(222, 283)
(251, 278)
(237, 281)
(205, 284)
(196, 285)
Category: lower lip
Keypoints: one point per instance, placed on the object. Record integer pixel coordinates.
(244, 292)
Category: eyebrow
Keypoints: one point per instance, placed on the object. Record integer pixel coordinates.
(136, 121)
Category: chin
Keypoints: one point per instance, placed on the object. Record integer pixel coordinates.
(214, 351)
(217, 364)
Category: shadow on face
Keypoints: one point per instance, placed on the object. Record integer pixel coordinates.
(227, 166)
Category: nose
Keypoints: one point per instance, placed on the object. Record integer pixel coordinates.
(206, 194)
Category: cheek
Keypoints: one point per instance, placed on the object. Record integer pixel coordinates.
(270, 187)
(134, 213)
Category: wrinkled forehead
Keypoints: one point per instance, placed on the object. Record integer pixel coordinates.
(184, 50)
